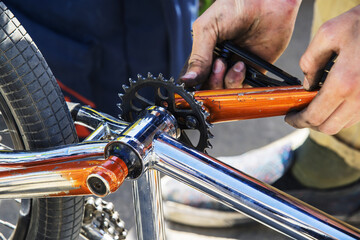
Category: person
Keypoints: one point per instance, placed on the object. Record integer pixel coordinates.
(93, 47)
(321, 168)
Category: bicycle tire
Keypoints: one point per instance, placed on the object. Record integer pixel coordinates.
(39, 116)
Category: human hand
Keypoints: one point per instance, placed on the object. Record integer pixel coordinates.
(221, 78)
(262, 26)
(337, 104)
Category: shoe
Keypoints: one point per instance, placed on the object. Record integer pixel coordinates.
(185, 205)
(270, 164)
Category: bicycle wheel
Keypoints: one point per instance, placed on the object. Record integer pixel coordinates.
(35, 116)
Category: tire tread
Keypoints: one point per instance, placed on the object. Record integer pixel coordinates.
(37, 104)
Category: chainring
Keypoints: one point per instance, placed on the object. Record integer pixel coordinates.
(158, 91)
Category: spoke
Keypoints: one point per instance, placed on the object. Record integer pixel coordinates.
(3, 146)
(2, 237)
(7, 224)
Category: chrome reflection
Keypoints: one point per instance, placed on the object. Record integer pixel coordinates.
(148, 207)
(84, 151)
(245, 194)
(34, 185)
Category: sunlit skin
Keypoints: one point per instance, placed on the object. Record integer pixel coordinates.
(262, 26)
(265, 27)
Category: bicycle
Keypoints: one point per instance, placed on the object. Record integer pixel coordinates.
(48, 167)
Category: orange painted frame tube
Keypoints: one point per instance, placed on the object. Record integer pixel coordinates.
(74, 173)
(247, 103)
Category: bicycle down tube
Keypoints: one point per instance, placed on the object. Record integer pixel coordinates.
(245, 194)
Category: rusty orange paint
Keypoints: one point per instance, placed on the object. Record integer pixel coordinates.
(247, 103)
(113, 169)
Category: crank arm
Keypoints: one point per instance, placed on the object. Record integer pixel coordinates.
(69, 170)
(248, 103)
(90, 167)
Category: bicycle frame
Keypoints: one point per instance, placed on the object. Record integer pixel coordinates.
(145, 148)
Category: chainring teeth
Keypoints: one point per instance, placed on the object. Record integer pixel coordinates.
(164, 95)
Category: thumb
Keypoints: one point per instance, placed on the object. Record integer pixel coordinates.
(200, 60)
(315, 59)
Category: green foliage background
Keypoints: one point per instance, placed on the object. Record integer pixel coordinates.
(204, 4)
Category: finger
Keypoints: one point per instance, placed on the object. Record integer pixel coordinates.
(353, 121)
(199, 63)
(320, 108)
(312, 116)
(338, 119)
(235, 76)
(316, 56)
(216, 79)
(184, 68)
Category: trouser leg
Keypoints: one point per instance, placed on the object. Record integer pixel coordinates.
(316, 166)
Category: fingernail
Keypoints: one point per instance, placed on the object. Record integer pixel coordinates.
(306, 83)
(189, 75)
(218, 66)
(239, 67)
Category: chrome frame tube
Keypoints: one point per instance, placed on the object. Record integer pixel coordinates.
(46, 173)
(253, 198)
(50, 172)
(149, 219)
(40, 184)
(148, 208)
(146, 189)
(84, 168)
(103, 125)
(80, 151)
(91, 118)
(160, 152)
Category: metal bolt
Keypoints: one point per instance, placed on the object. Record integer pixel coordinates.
(191, 122)
(165, 104)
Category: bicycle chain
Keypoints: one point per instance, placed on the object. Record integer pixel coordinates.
(101, 221)
(150, 90)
